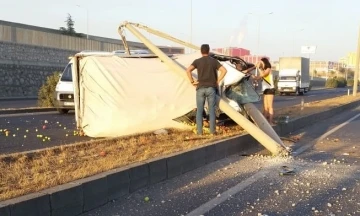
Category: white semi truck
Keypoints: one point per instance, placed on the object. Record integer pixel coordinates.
(294, 75)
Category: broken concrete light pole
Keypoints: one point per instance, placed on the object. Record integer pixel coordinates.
(269, 143)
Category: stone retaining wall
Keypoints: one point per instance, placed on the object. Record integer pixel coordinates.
(23, 80)
(24, 68)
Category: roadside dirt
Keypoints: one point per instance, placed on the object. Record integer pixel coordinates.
(25, 173)
(313, 107)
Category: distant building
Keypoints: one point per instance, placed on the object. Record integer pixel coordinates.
(233, 51)
(349, 60)
(253, 58)
(325, 66)
(240, 52)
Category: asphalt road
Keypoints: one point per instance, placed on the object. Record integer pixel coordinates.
(283, 101)
(279, 100)
(60, 129)
(326, 181)
(18, 124)
(16, 104)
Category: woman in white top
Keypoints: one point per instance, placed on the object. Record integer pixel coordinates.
(268, 88)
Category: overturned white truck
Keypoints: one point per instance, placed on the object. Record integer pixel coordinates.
(122, 95)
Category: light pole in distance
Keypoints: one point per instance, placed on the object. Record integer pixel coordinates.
(87, 21)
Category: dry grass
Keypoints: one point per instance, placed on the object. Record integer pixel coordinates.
(22, 174)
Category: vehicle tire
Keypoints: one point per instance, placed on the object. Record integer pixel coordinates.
(301, 93)
(63, 111)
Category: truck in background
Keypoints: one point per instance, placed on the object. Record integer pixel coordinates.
(294, 75)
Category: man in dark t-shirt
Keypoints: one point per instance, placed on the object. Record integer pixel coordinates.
(206, 86)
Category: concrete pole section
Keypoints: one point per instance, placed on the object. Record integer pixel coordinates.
(356, 74)
(274, 147)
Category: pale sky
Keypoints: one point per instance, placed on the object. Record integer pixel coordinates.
(331, 25)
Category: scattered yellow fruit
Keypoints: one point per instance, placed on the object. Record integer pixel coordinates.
(24, 136)
(146, 199)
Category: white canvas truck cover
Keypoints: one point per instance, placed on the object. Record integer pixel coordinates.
(123, 96)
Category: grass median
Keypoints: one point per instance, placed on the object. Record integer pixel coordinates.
(22, 173)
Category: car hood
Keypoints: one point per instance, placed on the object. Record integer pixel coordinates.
(65, 86)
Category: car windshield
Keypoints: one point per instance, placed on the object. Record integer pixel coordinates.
(67, 75)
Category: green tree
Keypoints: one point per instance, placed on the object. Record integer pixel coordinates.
(70, 27)
(342, 70)
(314, 73)
(350, 73)
(47, 90)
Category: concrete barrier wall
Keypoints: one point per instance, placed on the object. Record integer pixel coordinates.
(38, 36)
(30, 53)
(46, 37)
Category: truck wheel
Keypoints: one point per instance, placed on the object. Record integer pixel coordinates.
(63, 111)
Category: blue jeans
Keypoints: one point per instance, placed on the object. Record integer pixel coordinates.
(203, 93)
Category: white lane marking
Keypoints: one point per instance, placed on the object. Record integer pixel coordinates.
(338, 127)
(305, 147)
(206, 207)
(26, 114)
(311, 95)
(290, 98)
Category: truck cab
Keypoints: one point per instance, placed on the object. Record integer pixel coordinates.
(294, 76)
(290, 81)
(64, 91)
